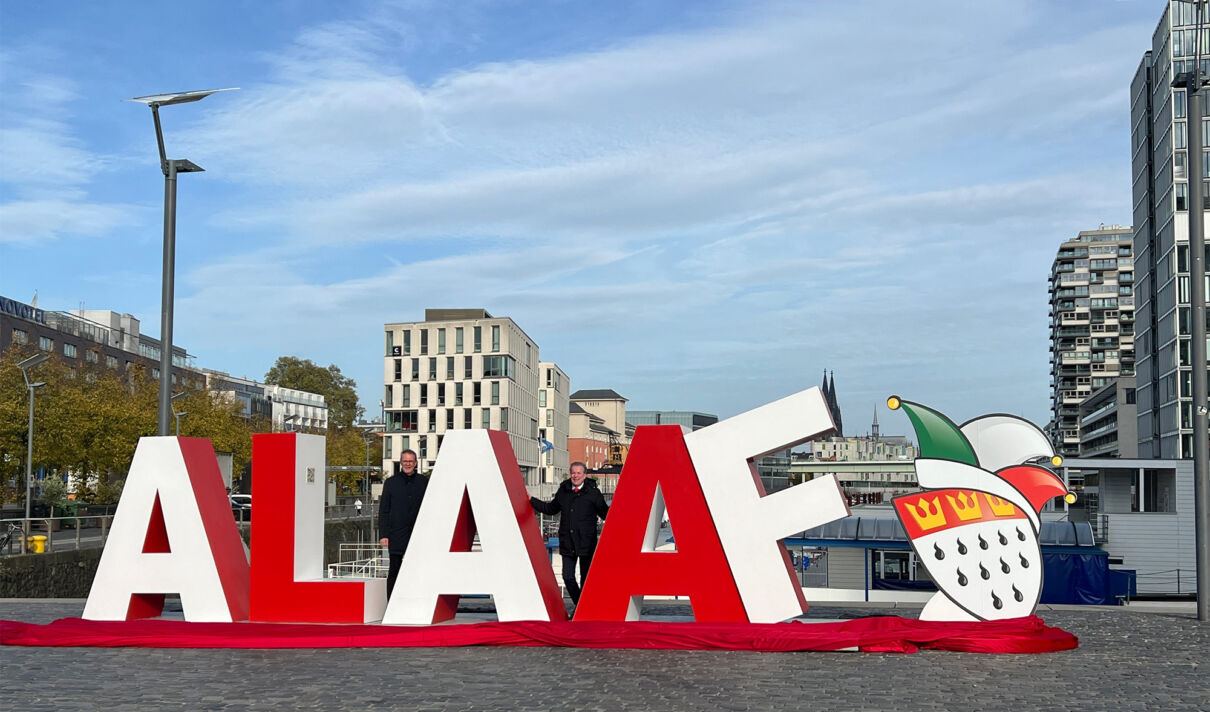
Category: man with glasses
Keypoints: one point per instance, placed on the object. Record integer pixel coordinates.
(397, 510)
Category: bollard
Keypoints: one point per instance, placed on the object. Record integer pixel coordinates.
(37, 544)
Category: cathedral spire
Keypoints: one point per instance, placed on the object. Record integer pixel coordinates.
(834, 405)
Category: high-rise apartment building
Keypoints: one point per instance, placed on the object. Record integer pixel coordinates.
(1161, 236)
(553, 422)
(459, 369)
(1091, 324)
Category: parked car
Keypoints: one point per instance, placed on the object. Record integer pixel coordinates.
(241, 507)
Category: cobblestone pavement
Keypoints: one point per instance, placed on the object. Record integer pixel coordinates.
(1127, 660)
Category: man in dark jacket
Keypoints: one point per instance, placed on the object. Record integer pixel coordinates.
(579, 503)
(397, 510)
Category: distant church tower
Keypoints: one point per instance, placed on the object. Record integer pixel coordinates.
(829, 394)
(874, 427)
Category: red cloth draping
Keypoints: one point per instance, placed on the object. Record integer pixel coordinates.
(874, 634)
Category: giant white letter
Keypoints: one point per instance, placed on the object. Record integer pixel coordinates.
(476, 484)
(750, 524)
(172, 533)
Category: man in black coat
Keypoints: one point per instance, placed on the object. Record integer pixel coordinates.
(579, 503)
(397, 510)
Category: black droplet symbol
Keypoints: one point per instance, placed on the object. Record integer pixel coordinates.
(1018, 595)
(1024, 561)
(1003, 539)
(997, 602)
(961, 547)
(1004, 566)
(937, 552)
(961, 578)
(982, 542)
(984, 572)
(1020, 534)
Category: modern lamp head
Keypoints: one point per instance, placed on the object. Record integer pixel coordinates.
(181, 97)
(32, 361)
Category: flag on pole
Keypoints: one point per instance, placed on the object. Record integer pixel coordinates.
(544, 445)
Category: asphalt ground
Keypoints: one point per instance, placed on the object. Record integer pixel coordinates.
(1137, 657)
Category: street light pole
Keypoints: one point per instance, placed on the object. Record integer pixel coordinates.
(25, 367)
(170, 169)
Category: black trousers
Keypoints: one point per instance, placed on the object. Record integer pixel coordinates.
(569, 575)
(393, 572)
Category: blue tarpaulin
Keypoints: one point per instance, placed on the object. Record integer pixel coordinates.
(1076, 577)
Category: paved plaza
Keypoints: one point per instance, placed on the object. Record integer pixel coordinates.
(1139, 657)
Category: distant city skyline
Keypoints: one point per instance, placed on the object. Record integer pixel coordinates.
(698, 205)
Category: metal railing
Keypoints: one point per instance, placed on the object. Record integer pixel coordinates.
(361, 560)
(90, 531)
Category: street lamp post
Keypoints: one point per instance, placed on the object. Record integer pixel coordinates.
(1194, 82)
(170, 168)
(25, 367)
(177, 415)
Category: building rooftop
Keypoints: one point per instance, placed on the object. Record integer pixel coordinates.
(600, 394)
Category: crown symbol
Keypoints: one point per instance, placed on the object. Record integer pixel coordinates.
(1000, 508)
(965, 506)
(925, 518)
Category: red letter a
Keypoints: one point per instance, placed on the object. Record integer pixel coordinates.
(626, 567)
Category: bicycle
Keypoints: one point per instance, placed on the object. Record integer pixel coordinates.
(7, 538)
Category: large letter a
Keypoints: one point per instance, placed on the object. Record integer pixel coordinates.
(627, 567)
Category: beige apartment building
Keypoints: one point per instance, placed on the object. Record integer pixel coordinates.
(553, 422)
(459, 369)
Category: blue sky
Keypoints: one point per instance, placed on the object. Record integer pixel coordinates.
(700, 205)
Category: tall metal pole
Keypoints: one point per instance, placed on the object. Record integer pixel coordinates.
(1197, 350)
(29, 464)
(165, 411)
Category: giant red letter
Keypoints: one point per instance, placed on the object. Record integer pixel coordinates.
(627, 567)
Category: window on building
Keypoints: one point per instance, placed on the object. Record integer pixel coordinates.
(477, 393)
(549, 374)
(478, 339)
(20, 337)
(432, 368)
(407, 342)
(496, 339)
(386, 448)
(407, 395)
(499, 367)
(487, 418)
(111, 361)
(467, 368)
(1153, 491)
(550, 419)
(415, 369)
(155, 372)
(504, 419)
(449, 368)
(398, 369)
(457, 394)
(533, 429)
(432, 419)
(458, 340)
(390, 342)
(449, 419)
(495, 393)
(46, 343)
(423, 443)
(542, 398)
(423, 390)
(440, 394)
(91, 356)
(528, 354)
(388, 400)
(467, 417)
(406, 442)
(69, 350)
(441, 341)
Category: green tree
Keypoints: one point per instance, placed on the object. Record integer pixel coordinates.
(338, 390)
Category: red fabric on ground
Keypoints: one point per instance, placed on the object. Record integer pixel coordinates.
(875, 634)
